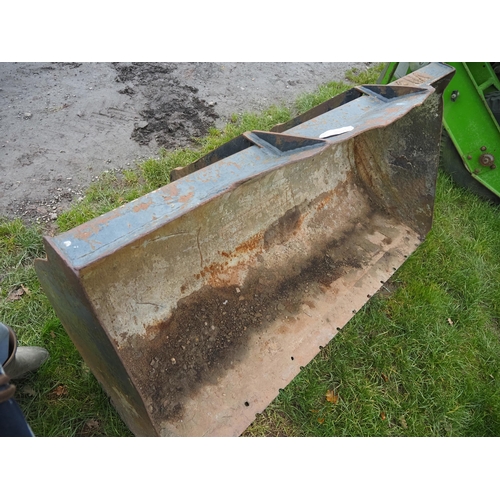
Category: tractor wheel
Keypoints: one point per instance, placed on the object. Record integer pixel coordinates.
(452, 163)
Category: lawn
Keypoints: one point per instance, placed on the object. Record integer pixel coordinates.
(421, 358)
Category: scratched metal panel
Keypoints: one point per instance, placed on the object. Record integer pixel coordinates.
(196, 303)
(90, 241)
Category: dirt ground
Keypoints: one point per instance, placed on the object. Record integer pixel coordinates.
(62, 124)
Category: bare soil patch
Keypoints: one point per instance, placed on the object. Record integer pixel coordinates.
(63, 124)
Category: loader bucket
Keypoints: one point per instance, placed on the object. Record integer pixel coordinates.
(194, 304)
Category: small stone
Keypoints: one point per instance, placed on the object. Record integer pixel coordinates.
(173, 361)
(27, 116)
(142, 124)
(53, 216)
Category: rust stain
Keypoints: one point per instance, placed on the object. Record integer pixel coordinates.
(249, 245)
(216, 268)
(324, 201)
(94, 226)
(185, 198)
(170, 191)
(83, 233)
(142, 206)
(417, 78)
(230, 277)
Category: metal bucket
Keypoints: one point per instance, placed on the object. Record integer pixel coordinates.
(194, 304)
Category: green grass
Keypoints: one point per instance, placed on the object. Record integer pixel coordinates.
(421, 358)
(63, 398)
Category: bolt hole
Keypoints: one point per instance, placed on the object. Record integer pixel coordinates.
(291, 358)
(338, 328)
(247, 403)
(405, 256)
(301, 367)
(382, 282)
(320, 347)
(368, 295)
(354, 311)
(394, 269)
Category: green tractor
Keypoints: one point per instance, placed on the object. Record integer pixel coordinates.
(470, 150)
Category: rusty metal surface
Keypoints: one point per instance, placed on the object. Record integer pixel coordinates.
(196, 303)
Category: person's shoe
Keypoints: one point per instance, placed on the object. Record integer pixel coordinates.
(26, 359)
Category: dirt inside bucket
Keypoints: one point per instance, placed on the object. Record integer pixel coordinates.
(208, 332)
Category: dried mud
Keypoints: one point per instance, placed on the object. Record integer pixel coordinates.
(173, 114)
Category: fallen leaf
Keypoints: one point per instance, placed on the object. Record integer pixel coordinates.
(403, 423)
(385, 377)
(450, 321)
(92, 424)
(382, 415)
(321, 420)
(52, 334)
(331, 397)
(314, 411)
(60, 390)
(15, 295)
(26, 290)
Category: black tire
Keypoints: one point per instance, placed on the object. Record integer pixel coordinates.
(452, 163)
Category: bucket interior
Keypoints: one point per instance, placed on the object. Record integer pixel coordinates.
(220, 308)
